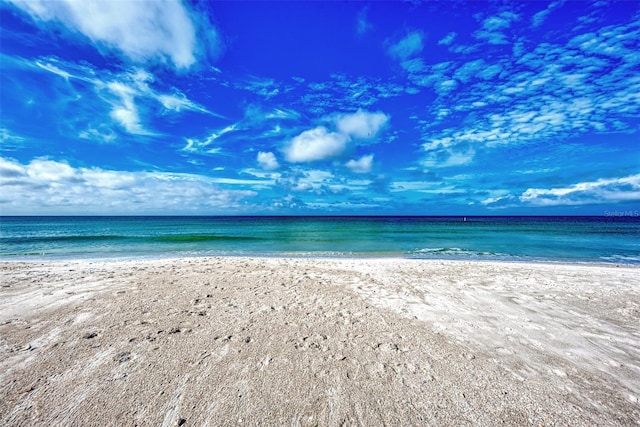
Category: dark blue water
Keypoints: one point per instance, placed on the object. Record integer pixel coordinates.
(561, 239)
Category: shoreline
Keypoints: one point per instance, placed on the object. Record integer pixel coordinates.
(306, 341)
(363, 257)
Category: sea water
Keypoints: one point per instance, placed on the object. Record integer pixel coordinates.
(606, 239)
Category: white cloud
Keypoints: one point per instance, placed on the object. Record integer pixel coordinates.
(42, 170)
(497, 197)
(414, 65)
(135, 84)
(348, 92)
(178, 102)
(127, 116)
(469, 71)
(161, 30)
(407, 47)
(438, 143)
(551, 95)
(499, 22)
(254, 183)
(124, 92)
(322, 144)
(362, 165)
(49, 187)
(447, 158)
(363, 24)
(263, 86)
(490, 71)
(48, 66)
(420, 186)
(125, 110)
(448, 39)
(625, 189)
(278, 113)
(446, 86)
(102, 134)
(10, 170)
(315, 181)
(361, 124)
(268, 160)
(539, 18)
(194, 145)
(6, 136)
(315, 144)
(493, 27)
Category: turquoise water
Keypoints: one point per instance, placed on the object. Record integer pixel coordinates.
(562, 239)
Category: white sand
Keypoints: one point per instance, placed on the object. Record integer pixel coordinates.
(255, 341)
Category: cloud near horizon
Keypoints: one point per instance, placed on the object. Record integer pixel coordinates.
(621, 189)
(57, 188)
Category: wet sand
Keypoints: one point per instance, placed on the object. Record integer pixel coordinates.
(274, 341)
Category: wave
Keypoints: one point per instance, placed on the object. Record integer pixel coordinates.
(457, 253)
(622, 259)
(53, 239)
(186, 238)
(101, 238)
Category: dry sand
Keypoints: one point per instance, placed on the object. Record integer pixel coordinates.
(251, 341)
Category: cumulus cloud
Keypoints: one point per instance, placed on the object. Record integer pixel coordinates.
(10, 170)
(361, 124)
(267, 160)
(316, 144)
(624, 189)
(162, 30)
(45, 186)
(322, 144)
(409, 46)
(362, 165)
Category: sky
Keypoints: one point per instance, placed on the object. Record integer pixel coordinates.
(172, 107)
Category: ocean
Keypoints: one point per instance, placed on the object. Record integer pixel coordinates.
(606, 239)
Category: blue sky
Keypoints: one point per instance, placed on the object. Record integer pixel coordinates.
(243, 108)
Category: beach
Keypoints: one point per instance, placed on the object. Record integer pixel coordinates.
(318, 341)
